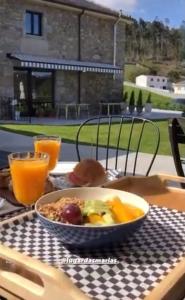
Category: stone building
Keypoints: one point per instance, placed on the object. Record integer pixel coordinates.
(60, 52)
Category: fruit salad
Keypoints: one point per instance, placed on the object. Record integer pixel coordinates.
(90, 212)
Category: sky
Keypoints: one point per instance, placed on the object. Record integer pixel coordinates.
(174, 10)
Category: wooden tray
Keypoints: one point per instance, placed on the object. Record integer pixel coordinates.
(157, 190)
(26, 278)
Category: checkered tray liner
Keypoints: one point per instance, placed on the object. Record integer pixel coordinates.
(143, 260)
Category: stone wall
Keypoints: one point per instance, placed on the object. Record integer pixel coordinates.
(60, 40)
(97, 39)
(96, 87)
(66, 87)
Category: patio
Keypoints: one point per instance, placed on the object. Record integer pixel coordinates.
(156, 114)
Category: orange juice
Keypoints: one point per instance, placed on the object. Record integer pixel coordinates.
(28, 179)
(52, 147)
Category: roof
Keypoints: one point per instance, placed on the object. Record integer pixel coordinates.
(89, 5)
(43, 62)
(180, 83)
(150, 75)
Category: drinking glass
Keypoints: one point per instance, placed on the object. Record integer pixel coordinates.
(29, 172)
(50, 145)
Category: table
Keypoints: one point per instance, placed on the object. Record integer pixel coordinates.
(109, 105)
(67, 107)
(63, 167)
(170, 287)
(83, 107)
(76, 108)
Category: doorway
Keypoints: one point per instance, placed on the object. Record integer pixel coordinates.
(34, 91)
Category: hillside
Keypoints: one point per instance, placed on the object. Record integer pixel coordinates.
(154, 48)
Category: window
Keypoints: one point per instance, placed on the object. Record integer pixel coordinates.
(158, 79)
(33, 23)
(151, 79)
(42, 86)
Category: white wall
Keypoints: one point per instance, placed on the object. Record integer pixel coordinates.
(179, 89)
(141, 80)
(158, 82)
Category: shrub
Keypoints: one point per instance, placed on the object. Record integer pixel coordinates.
(149, 98)
(125, 97)
(174, 75)
(132, 99)
(140, 99)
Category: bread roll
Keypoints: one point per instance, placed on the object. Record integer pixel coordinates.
(87, 172)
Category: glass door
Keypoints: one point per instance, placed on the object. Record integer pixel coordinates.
(42, 92)
(34, 91)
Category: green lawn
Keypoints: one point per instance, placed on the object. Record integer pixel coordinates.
(68, 134)
(158, 101)
(132, 70)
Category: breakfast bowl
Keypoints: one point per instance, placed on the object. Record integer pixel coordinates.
(88, 235)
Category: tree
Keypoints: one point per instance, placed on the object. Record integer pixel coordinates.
(140, 98)
(154, 40)
(132, 99)
(173, 75)
(148, 100)
(132, 102)
(125, 97)
(167, 21)
(182, 37)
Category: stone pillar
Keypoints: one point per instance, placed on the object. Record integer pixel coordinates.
(66, 87)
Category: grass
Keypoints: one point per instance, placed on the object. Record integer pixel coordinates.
(132, 69)
(148, 66)
(158, 101)
(68, 134)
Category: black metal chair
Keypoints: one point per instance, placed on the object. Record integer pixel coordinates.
(177, 139)
(124, 138)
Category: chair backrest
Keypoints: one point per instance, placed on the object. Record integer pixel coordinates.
(118, 141)
(177, 138)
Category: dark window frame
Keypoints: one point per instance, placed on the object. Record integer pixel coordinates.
(32, 14)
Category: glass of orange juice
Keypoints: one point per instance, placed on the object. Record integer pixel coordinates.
(29, 172)
(50, 145)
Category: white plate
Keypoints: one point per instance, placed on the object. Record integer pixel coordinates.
(2, 202)
(63, 168)
(6, 207)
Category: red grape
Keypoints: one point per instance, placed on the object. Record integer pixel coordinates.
(72, 214)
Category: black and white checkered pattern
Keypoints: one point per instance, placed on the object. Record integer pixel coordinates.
(143, 260)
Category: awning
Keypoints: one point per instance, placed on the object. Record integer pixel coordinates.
(30, 61)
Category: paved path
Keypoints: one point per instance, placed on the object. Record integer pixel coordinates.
(11, 142)
(156, 114)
